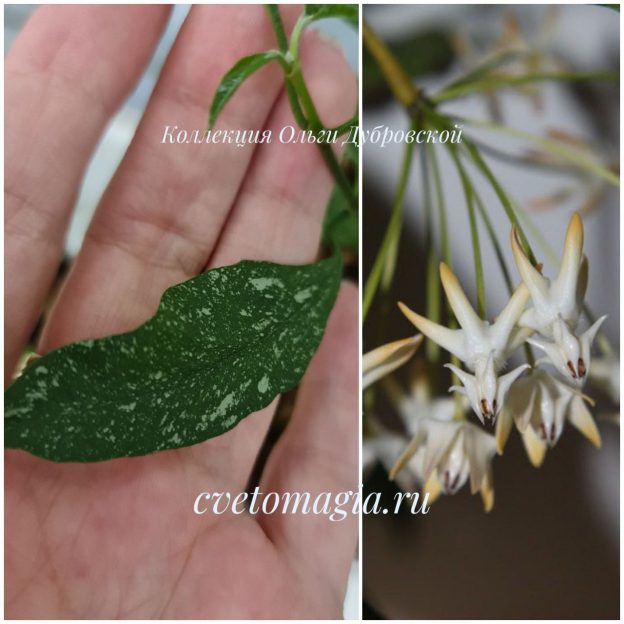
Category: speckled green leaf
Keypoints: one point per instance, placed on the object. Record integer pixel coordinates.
(235, 77)
(222, 345)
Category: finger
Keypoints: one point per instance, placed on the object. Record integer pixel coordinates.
(65, 75)
(279, 212)
(164, 208)
(318, 453)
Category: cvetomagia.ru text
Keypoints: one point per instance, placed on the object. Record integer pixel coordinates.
(379, 135)
(336, 506)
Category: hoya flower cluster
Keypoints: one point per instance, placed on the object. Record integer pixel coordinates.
(446, 448)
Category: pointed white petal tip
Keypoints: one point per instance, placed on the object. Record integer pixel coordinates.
(432, 488)
(461, 306)
(532, 278)
(535, 447)
(581, 418)
(575, 234)
(386, 358)
(503, 429)
(449, 339)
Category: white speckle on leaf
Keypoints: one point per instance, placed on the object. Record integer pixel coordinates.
(303, 295)
(263, 384)
(260, 283)
(129, 407)
(223, 406)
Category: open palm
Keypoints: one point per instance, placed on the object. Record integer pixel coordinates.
(119, 539)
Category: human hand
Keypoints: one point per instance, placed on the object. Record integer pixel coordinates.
(119, 539)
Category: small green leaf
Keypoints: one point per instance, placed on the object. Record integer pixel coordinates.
(221, 345)
(235, 77)
(340, 226)
(349, 12)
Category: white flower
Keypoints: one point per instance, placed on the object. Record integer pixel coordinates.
(569, 354)
(561, 297)
(540, 405)
(384, 446)
(557, 306)
(485, 390)
(443, 453)
(482, 346)
(383, 360)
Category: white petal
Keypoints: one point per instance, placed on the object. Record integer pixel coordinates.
(535, 282)
(407, 454)
(440, 438)
(529, 320)
(556, 357)
(561, 407)
(382, 447)
(503, 428)
(564, 287)
(506, 322)
(518, 337)
(470, 389)
(581, 418)
(535, 447)
(587, 338)
(487, 492)
(480, 448)
(464, 312)
(454, 468)
(407, 408)
(450, 339)
(581, 286)
(386, 358)
(505, 381)
(520, 401)
(432, 488)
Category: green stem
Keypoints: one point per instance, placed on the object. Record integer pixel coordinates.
(282, 41)
(564, 152)
(401, 85)
(432, 279)
(386, 256)
(488, 65)
(345, 127)
(489, 84)
(442, 122)
(278, 26)
(498, 250)
(502, 263)
(474, 231)
(502, 196)
(444, 237)
(447, 257)
(316, 127)
(301, 103)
